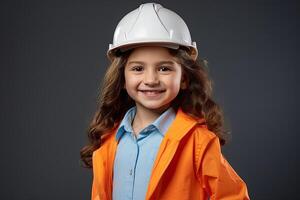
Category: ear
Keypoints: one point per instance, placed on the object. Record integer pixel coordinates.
(184, 83)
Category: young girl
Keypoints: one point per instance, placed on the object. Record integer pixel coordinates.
(157, 132)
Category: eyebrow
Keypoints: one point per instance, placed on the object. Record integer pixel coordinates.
(157, 63)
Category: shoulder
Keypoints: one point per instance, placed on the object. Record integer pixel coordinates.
(107, 142)
(196, 126)
(204, 141)
(203, 135)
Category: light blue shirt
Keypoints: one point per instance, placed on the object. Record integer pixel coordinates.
(136, 154)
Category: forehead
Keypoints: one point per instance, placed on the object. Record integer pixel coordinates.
(151, 54)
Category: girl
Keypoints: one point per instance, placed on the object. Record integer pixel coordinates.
(157, 132)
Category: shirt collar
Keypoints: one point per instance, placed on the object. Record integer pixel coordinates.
(162, 123)
(125, 125)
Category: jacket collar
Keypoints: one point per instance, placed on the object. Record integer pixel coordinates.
(181, 125)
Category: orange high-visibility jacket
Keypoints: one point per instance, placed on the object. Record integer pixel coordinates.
(189, 166)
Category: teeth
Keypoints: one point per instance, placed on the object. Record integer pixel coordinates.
(151, 92)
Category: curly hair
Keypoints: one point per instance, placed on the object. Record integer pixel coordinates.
(196, 100)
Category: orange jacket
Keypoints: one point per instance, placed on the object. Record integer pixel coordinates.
(189, 166)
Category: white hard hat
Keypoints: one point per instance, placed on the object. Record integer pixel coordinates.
(152, 24)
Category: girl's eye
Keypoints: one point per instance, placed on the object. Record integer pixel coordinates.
(137, 68)
(164, 68)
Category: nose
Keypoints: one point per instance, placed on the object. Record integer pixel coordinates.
(151, 78)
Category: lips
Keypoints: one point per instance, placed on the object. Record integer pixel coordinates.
(151, 93)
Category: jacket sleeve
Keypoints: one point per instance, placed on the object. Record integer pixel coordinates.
(218, 178)
(95, 186)
(95, 193)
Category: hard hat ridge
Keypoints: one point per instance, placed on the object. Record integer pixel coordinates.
(149, 16)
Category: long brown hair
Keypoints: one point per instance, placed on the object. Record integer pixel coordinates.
(114, 101)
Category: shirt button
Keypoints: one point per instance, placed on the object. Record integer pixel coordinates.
(130, 172)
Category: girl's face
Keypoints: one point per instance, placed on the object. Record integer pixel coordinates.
(153, 78)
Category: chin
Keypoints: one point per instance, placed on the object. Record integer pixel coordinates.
(156, 106)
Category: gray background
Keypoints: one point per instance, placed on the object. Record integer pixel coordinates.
(53, 59)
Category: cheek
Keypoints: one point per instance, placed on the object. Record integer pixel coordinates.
(131, 82)
(129, 87)
(173, 83)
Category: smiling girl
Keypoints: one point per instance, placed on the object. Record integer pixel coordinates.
(157, 133)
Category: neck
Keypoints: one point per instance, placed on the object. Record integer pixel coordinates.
(144, 117)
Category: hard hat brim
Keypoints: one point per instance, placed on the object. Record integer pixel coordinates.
(132, 46)
(125, 47)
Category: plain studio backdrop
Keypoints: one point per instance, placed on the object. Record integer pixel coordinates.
(53, 60)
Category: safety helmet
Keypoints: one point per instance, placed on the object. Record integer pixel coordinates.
(152, 24)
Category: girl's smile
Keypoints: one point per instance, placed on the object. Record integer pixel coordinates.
(152, 93)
